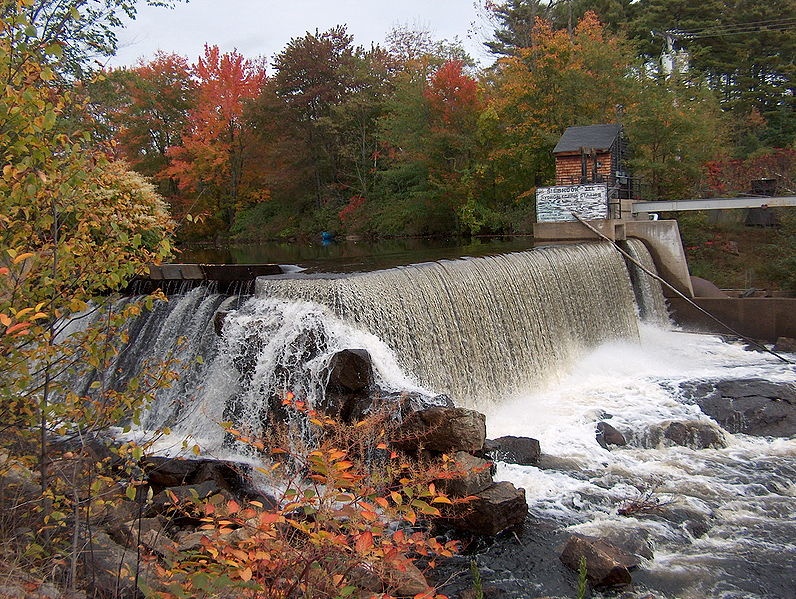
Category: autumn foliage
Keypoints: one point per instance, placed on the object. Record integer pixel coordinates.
(346, 520)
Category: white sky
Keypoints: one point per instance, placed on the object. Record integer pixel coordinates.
(263, 27)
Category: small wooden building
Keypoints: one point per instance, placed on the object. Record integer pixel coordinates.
(593, 154)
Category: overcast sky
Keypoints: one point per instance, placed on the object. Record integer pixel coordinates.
(263, 27)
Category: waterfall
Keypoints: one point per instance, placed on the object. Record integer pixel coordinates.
(648, 291)
(476, 329)
(483, 327)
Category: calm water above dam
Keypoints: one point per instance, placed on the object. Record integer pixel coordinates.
(342, 255)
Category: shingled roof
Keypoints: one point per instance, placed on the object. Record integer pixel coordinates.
(598, 137)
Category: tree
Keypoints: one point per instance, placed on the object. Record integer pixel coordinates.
(144, 110)
(314, 76)
(539, 91)
(84, 30)
(674, 128)
(213, 151)
(746, 51)
(72, 226)
(514, 22)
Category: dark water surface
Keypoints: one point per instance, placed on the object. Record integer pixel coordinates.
(354, 256)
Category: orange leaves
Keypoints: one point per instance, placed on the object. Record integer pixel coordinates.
(339, 516)
(364, 542)
(214, 137)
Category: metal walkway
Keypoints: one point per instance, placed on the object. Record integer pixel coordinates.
(712, 204)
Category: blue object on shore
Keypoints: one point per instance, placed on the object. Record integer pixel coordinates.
(327, 236)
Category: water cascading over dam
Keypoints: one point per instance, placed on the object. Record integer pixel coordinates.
(475, 329)
(484, 326)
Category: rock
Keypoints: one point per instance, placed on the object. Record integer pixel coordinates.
(175, 472)
(350, 379)
(488, 592)
(606, 565)
(475, 477)
(163, 501)
(443, 430)
(405, 403)
(697, 523)
(785, 344)
(218, 322)
(145, 531)
(687, 433)
(494, 509)
(748, 406)
(705, 288)
(515, 450)
(350, 370)
(401, 578)
(608, 435)
(635, 541)
(110, 568)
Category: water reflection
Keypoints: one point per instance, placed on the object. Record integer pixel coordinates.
(354, 256)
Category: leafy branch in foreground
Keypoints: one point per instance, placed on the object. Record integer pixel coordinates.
(345, 522)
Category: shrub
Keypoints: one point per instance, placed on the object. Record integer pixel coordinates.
(345, 521)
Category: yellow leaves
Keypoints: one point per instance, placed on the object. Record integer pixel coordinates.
(245, 574)
(442, 499)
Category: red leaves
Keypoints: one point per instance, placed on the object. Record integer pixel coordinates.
(215, 137)
(451, 94)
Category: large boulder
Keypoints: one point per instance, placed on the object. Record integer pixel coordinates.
(634, 541)
(785, 344)
(495, 509)
(749, 406)
(350, 380)
(515, 450)
(112, 570)
(443, 430)
(471, 475)
(695, 434)
(606, 564)
(400, 577)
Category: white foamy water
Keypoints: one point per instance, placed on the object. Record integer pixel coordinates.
(730, 530)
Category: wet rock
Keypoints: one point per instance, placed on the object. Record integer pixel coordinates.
(697, 523)
(350, 370)
(607, 435)
(697, 435)
(749, 406)
(473, 476)
(636, 541)
(606, 565)
(563, 464)
(350, 379)
(515, 450)
(493, 510)
(488, 592)
(402, 579)
(175, 472)
(443, 430)
(404, 403)
(185, 494)
(218, 322)
(687, 433)
(785, 344)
